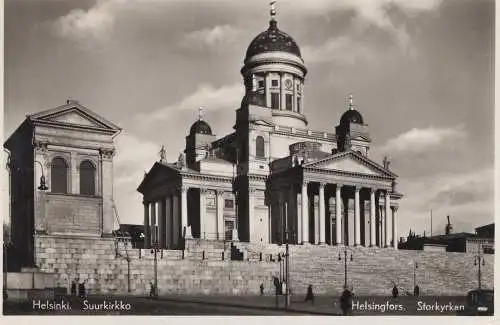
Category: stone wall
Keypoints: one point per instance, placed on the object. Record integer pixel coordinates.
(205, 268)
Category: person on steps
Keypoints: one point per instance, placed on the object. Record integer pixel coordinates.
(395, 291)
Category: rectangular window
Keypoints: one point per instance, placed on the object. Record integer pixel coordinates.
(274, 83)
(228, 229)
(275, 100)
(299, 105)
(289, 102)
(228, 204)
(261, 84)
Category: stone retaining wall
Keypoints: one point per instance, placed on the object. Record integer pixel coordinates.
(372, 271)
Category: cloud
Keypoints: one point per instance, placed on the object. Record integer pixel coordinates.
(134, 156)
(342, 50)
(206, 96)
(419, 140)
(218, 36)
(81, 25)
(466, 196)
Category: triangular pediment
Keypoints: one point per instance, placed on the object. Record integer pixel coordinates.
(74, 114)
(76, 118)
(158, 174)
(350, 162)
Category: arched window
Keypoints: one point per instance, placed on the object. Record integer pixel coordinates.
(87, 178)
(260, 147)
(59, 176)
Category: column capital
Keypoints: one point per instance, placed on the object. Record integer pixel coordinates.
(251, 190)
(204, 190)
(394, 208)
(219, 192)
(184, 188)
(322, 185)
(373, 190)
(357, 188)
(339, 186)
(305, 183)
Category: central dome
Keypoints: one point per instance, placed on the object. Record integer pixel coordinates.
(351, 116)
(273, 40)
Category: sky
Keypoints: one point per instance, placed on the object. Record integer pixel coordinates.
(421, 73)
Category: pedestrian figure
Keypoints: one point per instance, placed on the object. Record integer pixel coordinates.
(81, 290)
(262, 289)
(416, 291)
(151, 289)
(277, 286)
(310, 294)
(395, 291)
(346, 302)
(73, 288)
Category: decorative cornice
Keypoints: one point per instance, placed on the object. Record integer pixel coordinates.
(106, 153)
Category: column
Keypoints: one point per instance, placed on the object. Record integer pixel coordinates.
(161, 223)
(254, 237)
(168, 222)
(282, 92)
(305, 214)
(154, 238)
(177, 231)
(338, 214)
(147, 234)
(322, 221)
(394, 228)
(220, 215)
(203, 211)
(298, 211)
(373, 241)
(387, 214)
(184, 214)
(357, 231)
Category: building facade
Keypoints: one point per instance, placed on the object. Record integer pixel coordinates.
(61, 176)
(273, 179)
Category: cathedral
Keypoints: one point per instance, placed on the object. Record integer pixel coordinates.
(273, 180)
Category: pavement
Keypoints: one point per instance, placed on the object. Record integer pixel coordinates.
(234, 305)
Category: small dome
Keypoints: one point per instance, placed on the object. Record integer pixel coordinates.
(351, 116)
(273, 40)
(200, 127)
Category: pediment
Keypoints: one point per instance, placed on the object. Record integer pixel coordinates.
(351, 163)
(76, 118)
(74, 114)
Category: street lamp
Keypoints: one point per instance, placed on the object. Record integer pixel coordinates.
(478, 260)
(345, 266)
(155, 251)
(43, 186)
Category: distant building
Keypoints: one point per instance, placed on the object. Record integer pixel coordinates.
(453, 242)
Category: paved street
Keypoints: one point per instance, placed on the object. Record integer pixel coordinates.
(229, 305)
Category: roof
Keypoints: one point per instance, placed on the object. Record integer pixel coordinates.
(273, 40)
(351, 116)
(200, 127)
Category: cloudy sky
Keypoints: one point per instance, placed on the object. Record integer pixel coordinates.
(421, 73)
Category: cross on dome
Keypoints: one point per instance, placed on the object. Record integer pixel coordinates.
(272, 10)
(200, 113)
(351, 106)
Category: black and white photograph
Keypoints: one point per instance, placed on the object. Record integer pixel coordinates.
(248, 158)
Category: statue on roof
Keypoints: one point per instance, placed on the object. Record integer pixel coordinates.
(387, 162)
(181, 161)
(163, 155)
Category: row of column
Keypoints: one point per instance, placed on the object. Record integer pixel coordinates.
(304, 227)
(162, 216)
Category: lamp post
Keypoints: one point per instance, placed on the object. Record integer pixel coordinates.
(287, 271)
(415, 267)
(155, 250)
(478, 260)
(345, 266)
